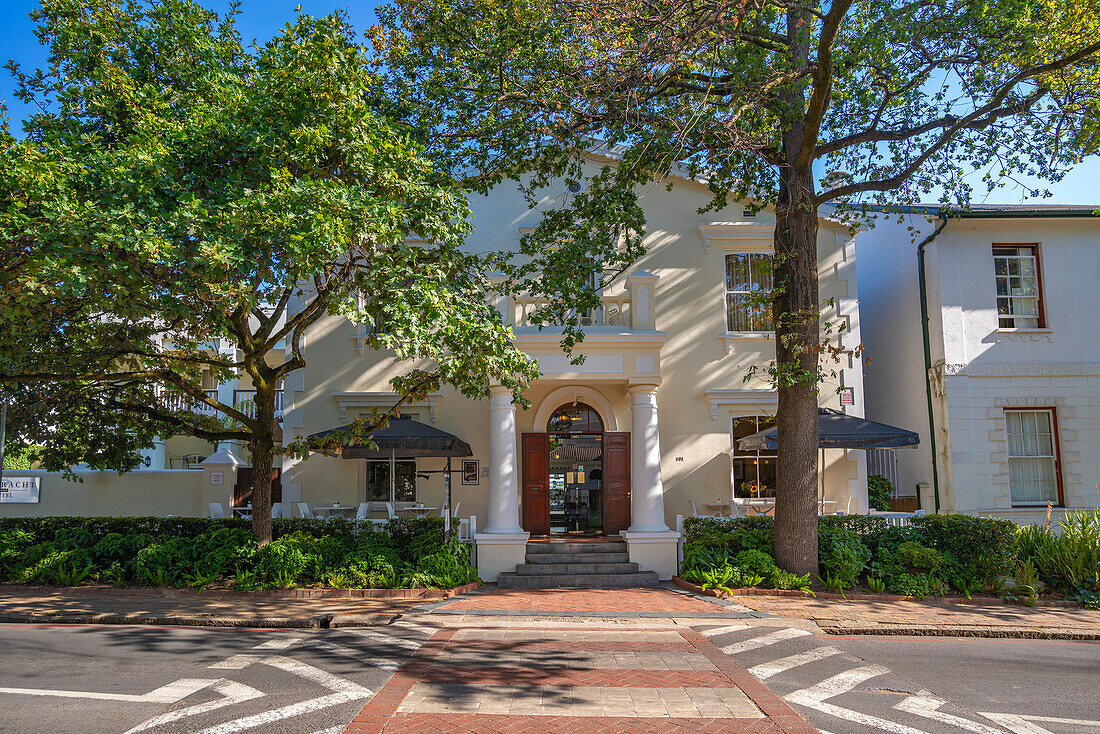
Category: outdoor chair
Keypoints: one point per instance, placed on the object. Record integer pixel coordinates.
(304, 511)
(453, 511)
(363, 513)
(276, 510)
(695, 511)
(193, 461)
(217, 512)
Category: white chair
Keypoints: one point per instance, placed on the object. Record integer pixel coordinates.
(391, 513)
(695, 512)
(304, 510)
(217, 512)
(276, 510)
(452, 513)
(363, 513)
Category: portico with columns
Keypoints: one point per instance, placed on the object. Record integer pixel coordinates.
(618, 377)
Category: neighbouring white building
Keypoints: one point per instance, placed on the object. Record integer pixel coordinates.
(1013, 354)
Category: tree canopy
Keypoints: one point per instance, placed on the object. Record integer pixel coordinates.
(184, 207)
(779, 103)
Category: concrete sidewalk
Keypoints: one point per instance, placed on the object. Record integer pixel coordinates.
(187, 607)
(932, 617)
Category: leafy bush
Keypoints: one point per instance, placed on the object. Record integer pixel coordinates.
(973, 547)
(197, 552)
(756, 562)
(879, 489)
(842, 555)
(920, 556)
(1069, 559)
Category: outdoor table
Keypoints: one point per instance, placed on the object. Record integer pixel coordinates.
(327, 511)
(243, 512)
(419, 511)
(722, 508)
(760, 507)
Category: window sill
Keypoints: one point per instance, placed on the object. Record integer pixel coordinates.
(1026, 330)
(733, 336)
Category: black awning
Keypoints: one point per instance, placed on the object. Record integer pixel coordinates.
(837, 430)
(402, 438)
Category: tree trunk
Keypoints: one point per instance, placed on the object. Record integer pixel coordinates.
(795, 312)
(262, 448)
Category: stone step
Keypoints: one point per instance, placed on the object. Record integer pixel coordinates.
(578, 557)
(567, 547)
(551, 569)
(509, 580)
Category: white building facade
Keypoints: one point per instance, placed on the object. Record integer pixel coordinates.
(1012, 373)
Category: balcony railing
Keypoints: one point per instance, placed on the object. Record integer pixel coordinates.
(613, 311)
(631, 308)
(244, 401)
(180, 401)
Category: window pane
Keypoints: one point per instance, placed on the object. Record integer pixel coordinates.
(1032, 469)
(378, 481)
(748, 277)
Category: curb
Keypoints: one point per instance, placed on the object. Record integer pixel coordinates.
(324, 621)
(959, 630)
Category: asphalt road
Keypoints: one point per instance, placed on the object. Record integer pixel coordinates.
(1032, 678)
(219, 681)
(120, 679)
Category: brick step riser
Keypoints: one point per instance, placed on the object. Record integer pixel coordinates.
(552, 569)
(609, 581)
(542, 558)
(555, 548)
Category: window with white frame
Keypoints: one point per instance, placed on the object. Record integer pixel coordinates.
(748, 280)
(1019, 304)
(378, 481)
(1032, 456)
(753, 471)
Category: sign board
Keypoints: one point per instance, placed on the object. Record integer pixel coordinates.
(470, 472)
(217, 477)
(19, 489)
(848, 396)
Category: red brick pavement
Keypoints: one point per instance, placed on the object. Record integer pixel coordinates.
(380, 715)
(506, 724)
(555, 646)
(554, 676)
(660, 601)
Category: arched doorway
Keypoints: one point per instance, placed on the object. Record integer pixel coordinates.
(576, 475)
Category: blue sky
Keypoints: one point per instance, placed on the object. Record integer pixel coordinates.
(260, 19)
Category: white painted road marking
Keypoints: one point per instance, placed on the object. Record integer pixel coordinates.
(1026, 724)
(723, 630)
(928, 706)
(815, 697)
(775, 667)
(345, 691)
(281, 643)
(359, 655)
(772, 638)
(170, 693)
(384, 638)
(231, 691)
(236, 662)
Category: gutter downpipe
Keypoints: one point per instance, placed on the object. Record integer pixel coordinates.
(928, 354)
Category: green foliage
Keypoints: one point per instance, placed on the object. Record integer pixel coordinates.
(879, 489)
(119, 551)
(919, 556)
(1069, 558)
(842, 554)
(976, 547)
(876, 585)
(780, 579)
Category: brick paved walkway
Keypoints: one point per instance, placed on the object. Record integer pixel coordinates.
(516, 681)
(840, 612)
(652, 601)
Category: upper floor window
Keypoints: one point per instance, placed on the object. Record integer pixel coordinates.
(1032, 457)
(1019, 300)
(748, 280)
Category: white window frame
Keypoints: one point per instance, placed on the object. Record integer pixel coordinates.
(1053, 457)
(393, 497)
(726, 292)
(1039, 316)
(764, 412)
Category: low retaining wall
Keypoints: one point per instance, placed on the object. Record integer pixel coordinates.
(162, 593)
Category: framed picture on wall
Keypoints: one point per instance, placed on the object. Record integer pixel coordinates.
(470, 471)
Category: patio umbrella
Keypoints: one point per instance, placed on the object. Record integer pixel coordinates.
(402, 438)
(838, 430)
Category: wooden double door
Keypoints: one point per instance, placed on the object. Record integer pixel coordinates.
(536, 482)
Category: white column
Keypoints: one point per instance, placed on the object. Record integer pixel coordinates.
(503, 464)
(647, 491)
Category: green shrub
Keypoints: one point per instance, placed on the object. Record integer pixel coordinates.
(879, 489)
(842, 555)
(280, 563)
(755, 562)
(920, 556)
(973, 547)
(1070, 558)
